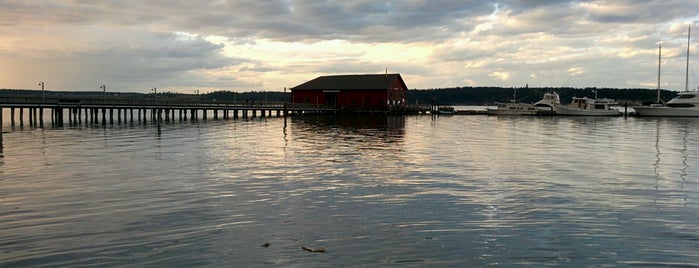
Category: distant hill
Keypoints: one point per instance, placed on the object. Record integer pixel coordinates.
(439, 96)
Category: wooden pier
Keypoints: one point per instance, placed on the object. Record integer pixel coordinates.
(110, 112)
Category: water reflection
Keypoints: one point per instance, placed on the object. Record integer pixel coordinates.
(348, 137)
(466, 191)
(673, 143)
(355, 121)
(2, 154)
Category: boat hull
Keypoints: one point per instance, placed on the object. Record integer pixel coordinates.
(666, 111)
(586, 112)
(508, 112)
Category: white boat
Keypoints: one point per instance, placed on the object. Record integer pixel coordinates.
(685, 104)
(589, 107)
(549, 102)
(445, 110)
(513, 107)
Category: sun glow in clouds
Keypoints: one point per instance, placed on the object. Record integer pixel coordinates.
(266, 45)
(310, 59)
(576, 71)
(501, 75)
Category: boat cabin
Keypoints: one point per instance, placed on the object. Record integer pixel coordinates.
(592, 104)
(684, 100)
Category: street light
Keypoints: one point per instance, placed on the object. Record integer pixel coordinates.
(42, 91)
(198, 102)
(155, 93)
(155, 108)
(104, 94)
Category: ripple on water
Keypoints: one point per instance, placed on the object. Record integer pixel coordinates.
(417, 191)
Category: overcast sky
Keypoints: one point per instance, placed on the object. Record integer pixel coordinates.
(184, 45)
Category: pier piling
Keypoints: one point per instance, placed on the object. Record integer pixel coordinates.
(168, 112)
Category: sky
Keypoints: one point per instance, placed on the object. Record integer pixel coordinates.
(240, 45)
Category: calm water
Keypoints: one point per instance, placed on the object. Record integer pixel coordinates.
(466, 191)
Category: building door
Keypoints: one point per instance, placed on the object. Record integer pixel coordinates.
(331, 98)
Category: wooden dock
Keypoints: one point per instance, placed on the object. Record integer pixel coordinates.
(141, 111)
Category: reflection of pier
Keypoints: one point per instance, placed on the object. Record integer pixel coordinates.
(142, 111)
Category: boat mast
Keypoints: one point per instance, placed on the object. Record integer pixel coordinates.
(686, 73)
(660, 51)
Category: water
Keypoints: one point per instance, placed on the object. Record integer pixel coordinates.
(454, 191)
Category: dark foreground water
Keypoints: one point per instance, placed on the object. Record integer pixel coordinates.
(459, 191)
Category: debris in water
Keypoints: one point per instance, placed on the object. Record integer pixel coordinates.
(265, 245)
(317, 250)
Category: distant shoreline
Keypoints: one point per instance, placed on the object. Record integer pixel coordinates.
(463, 96)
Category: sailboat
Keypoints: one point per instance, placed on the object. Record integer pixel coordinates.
(685, 104)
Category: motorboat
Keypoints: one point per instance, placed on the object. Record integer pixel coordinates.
(445, 110)
(512, 108)
(549, 102)
(589, 107)
(685, 104)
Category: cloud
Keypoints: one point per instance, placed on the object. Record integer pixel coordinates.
(129, 60)
(500, 75)
(181, 45)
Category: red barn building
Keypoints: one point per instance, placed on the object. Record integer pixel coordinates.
(353, 92)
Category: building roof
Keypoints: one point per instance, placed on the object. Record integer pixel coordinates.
(351, 82)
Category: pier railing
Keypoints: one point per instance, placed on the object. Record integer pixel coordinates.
(22, 101)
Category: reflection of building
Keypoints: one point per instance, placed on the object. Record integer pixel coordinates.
(353, 92)
(374, 121)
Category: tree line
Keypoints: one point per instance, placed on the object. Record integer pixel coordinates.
(438, 96)
(491, 95)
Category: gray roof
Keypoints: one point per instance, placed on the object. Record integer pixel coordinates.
(350, 82)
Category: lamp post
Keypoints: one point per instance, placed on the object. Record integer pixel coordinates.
(42, 91)
(198, 102)
(104, 94)
(284, 106)
(156, 112)
(155, 94)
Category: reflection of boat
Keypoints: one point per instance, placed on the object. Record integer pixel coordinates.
(588, 106)
(445, 110)
(513, 107)
(549, 102)
(684, 104)
(672, 163)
